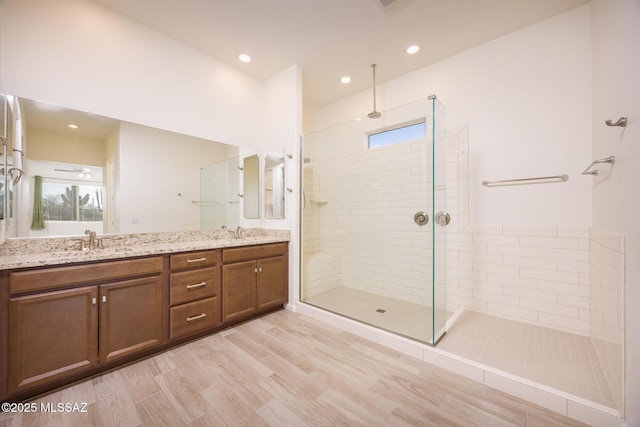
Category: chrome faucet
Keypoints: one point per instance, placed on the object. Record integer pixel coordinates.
(224, 228)
(92, 239)
(238, 234)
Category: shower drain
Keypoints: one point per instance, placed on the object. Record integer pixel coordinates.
(380, 310)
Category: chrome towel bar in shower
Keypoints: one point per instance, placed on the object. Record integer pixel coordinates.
(520, 181)
(610, 159)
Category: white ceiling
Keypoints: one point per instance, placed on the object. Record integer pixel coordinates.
(332, 38)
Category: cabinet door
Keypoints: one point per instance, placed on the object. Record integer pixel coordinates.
(238, 290)
(272, 283)
(131, 317)
(51, 336)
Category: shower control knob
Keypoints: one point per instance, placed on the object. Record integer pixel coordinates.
(421, 218)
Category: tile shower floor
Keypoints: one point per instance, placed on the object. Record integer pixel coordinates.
(401, 317)
(561, 360)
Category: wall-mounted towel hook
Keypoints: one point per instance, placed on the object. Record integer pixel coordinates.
(622, 122)
(290, 156)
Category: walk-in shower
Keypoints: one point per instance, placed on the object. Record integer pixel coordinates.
(371, 248)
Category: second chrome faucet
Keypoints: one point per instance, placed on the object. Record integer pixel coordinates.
(93, 243)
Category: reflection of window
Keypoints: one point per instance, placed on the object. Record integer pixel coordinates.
(397, 135)
(9, 198)
(71, 201)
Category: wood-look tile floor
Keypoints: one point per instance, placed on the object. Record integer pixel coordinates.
(285, 369)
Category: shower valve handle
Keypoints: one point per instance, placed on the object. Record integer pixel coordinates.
(421, 218)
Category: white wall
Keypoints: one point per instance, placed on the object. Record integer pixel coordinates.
(616, 207)
(282, 128)
(83, 56)
(527, 100)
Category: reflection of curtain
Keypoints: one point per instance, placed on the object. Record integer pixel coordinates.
(37, 222)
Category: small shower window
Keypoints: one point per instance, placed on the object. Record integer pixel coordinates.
(406, 132)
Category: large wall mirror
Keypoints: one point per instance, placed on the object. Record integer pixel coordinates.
(83, 171)
(3, 152)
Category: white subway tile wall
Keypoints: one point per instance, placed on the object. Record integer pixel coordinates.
(531, 274)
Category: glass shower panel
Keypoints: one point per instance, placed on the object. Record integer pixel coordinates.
(441, 218)
(365, 253)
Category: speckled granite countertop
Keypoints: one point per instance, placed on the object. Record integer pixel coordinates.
(37, 252)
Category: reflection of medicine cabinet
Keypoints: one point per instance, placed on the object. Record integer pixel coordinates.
(263, 184)
(251, 186)
(274, 184)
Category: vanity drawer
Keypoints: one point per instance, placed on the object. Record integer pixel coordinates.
(253, 252)
(193, 260)
(192, 317)
(56, 277)
(192, 285)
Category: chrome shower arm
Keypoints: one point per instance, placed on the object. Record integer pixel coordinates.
(587, 171)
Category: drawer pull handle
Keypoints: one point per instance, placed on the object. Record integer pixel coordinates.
(197, 285)
(197, 259)
(199, 316)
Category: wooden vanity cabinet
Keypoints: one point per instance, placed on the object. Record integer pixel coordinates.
(194, 293)
(59, 324)
(254, 280)
(100, 315)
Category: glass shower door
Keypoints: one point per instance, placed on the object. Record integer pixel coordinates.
(371, 249)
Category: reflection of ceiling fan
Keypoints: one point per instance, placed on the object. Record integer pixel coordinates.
(82, 172)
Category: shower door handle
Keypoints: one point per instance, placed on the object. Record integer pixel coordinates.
(443, 218)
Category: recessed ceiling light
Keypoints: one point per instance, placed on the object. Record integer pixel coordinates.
(72, 126)
(244, 58)
(345, 79)
(413, 49)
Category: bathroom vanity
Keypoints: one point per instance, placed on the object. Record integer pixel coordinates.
(68, 315)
